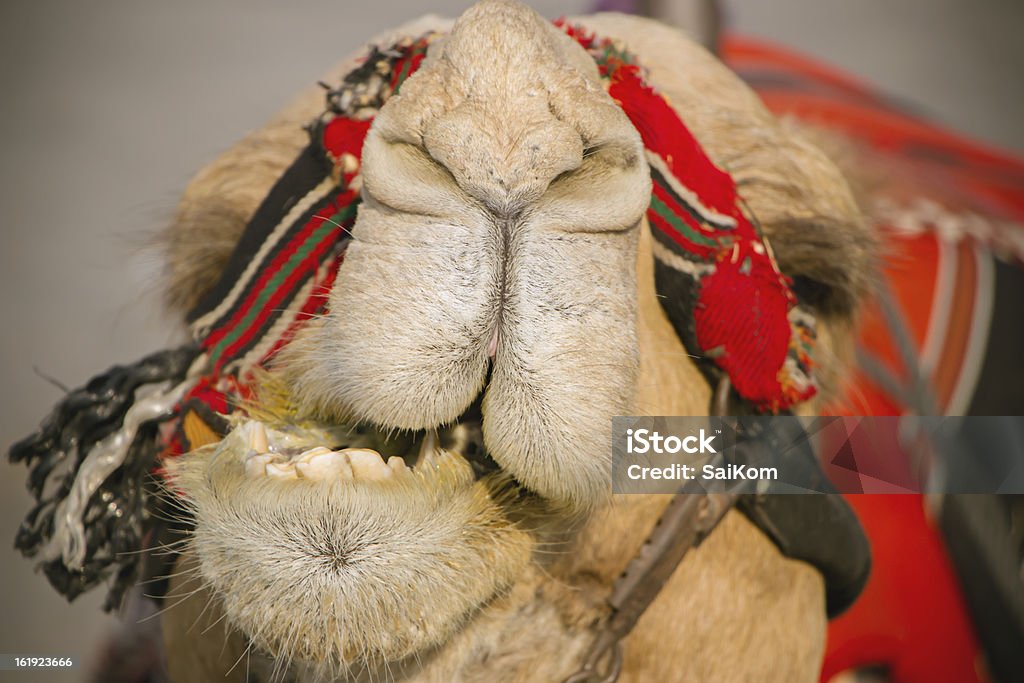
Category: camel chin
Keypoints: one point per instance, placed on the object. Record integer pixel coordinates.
(331, 557)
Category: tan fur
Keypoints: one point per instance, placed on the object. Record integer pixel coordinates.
(511, 583)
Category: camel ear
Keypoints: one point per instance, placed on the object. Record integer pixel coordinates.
(830, 260)
(809, 211)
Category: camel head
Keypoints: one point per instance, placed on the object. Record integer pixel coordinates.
(444, 430)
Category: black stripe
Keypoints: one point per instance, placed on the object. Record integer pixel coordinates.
(994, 393)
(305, 173)
(286, 239)
(657, 177)
(678, 293)
(667, 242)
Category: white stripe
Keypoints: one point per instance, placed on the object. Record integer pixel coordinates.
(200, 327)
(688, 196)
(674, 260)
(977, 342)
(150, 401)
(942, 299)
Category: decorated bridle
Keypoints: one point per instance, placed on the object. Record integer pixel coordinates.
(715, 274)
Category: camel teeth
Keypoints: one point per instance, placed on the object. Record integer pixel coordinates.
(397, 465)
(324, 465)
(256, 465)
(307, 456)
(258, 438)
(281, 471)
(367, 464)
(346, 466)
(427, 449)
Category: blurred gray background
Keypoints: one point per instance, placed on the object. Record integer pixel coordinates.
(108, 106)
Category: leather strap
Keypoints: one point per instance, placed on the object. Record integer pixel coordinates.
(690, 517)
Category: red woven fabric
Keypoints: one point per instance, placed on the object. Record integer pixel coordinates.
(741, 316)
(741, 323)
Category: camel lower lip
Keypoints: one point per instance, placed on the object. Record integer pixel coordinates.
(301, 550)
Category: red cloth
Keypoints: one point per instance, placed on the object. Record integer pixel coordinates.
(741, 315)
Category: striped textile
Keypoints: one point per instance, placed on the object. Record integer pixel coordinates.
(714, 270)
(284, 266)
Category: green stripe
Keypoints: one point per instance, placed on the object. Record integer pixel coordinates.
(680, 225)
(273, 283)
(404, 73)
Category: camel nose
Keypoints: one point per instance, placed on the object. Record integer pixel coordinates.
(505, 160)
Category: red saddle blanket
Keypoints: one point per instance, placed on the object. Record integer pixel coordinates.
(942, 336)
